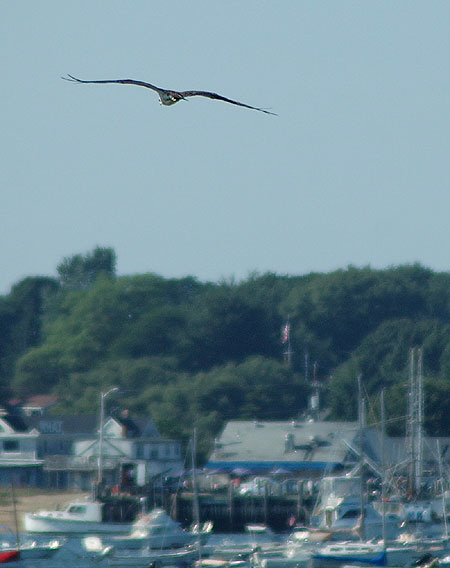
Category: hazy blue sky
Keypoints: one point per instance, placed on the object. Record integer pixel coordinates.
(354, 170)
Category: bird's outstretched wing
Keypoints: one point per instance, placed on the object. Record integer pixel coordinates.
(170, 96)
(122, 81)
(210, 95)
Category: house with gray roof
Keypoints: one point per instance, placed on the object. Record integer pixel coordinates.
(63, 452)
(33, 404)
(19, 460)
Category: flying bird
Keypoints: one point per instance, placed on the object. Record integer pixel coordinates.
(168, 97)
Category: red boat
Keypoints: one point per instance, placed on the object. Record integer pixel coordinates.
(9, 556)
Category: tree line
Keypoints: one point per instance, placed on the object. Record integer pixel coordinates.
(201, 353)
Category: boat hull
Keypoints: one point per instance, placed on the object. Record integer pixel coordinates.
(154, 542)
(162, 558)
(36, 523)
(361, 554)
(337, 560)
(9, 556)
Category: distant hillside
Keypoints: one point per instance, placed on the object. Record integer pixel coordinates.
(202, 353)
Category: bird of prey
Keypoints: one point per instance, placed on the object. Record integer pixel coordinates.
(169, 97)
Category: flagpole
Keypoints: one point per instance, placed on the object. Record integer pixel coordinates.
(289, 350)
(286, 339)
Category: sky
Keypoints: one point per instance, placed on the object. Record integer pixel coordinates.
(354, 170)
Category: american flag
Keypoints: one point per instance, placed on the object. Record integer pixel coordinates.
(285, 332)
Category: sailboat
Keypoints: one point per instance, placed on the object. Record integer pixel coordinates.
(157, 538)
(28, 550)
(13, 550)
(363, 552)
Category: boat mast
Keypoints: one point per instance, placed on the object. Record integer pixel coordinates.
(411, 423)
(419, 451)
(361, 457)
(383, 467)
(444, 500)
(415, 420)
(195, 504)
(16, 521)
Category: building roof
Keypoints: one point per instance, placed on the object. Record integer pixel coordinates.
(15, 423)
(36, 403)
(255, 447)
(88, 424)
(289, 445)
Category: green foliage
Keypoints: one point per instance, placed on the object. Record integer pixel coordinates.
(80, 271)
(382, 361)
(22, 314)
(437, 395)
(333, 312)
(226, 324)
(198, 354)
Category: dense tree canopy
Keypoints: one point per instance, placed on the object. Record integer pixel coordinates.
(202, 353)
(80, 271)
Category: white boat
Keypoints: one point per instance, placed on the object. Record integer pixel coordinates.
(349, 553)
(78, 517)
(254, 546)
(339, 512)
(14, 546)
(367, 553)
(300, 560)
(157, 530)
(97, 550)
(144, 558)
(220, 563)
(287, 555)
(30, 550)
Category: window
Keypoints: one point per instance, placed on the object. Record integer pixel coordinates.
(10, 446)
(351, 514)
(77, 510)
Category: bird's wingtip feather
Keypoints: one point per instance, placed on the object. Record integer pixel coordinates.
(71, 78)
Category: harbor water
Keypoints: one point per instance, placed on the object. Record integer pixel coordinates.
(73, 554)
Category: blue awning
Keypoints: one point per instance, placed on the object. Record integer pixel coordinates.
(266, 466)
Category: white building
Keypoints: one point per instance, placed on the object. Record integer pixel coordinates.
(19, 462)
(63, 452)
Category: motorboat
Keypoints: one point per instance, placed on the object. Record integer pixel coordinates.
(339, 512)
(221, 563)
(78, 517)
(367, 553)
(97, 550)
(145, 558)
(257, 543)
(157, 530)
(29, 550)
(336, 554)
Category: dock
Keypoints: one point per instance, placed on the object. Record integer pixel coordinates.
(233, 513)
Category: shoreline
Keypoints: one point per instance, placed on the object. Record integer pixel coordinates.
(30, 501)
